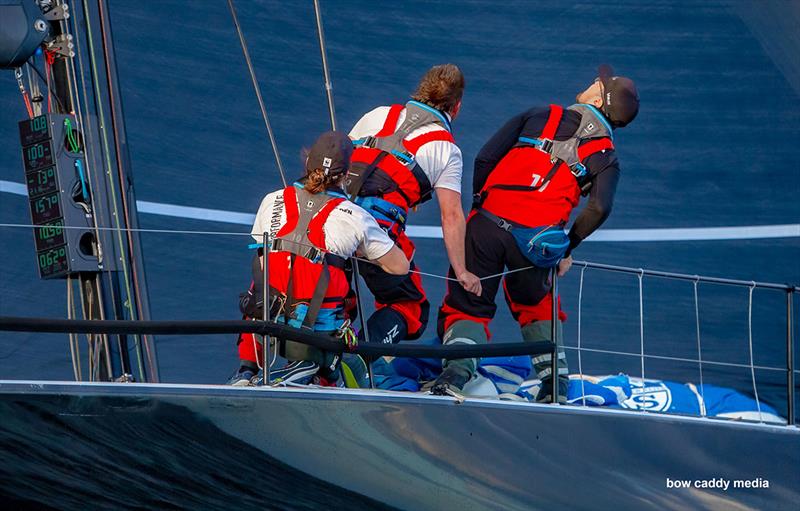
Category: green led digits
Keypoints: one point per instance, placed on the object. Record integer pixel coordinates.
(36, 151)
(45, 176)
(46, 203)
(39, 123)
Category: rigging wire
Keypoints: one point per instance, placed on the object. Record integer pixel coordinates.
(134, 282)
(258, 91)
(325, 72)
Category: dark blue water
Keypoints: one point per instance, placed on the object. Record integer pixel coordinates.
(170, 458)
(714, 145)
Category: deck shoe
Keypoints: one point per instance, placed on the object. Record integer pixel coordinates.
(452, 379)
(299, 372)
(242, 377)
(546, 390)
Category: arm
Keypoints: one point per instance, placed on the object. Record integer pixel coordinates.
(394, 262)
(454, 231)
(601, 200)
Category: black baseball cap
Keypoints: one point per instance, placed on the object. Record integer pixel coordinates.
(620, 97)
(331, 153)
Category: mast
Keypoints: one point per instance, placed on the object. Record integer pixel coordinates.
(93, 242)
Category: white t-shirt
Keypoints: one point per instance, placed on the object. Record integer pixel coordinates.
(440, 160)
(348, 230)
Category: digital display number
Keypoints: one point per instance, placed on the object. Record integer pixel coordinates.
(41, 182)
(34, 130)
(45, 208)
(53, 262)
(38, 156)
(49, 235)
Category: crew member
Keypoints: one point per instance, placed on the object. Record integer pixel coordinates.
(527, 179)
(312, 229)
(403, 153)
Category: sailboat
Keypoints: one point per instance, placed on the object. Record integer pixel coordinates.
(106, 442)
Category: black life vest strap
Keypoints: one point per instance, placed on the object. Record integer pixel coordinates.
(316, 300)
(425, 187)
(499, 221)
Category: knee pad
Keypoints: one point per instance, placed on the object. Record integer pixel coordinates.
(465, 332)
(386, 326)
(541, 331)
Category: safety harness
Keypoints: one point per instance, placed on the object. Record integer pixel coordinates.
(303, 236)
(385, 163)
(592, 136)
(546, 245)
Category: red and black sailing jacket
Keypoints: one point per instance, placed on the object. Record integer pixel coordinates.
(538, 181)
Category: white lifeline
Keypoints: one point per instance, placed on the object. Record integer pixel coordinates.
(440, 160)
(348, 230)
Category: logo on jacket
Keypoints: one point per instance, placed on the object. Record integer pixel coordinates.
(653, 396)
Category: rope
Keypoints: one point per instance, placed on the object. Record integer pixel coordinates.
(699, 350)
(580, 362)
(23, 91)
(257, 90)
(750, 342)
(46, 80)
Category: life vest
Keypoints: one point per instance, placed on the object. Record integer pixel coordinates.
(539, 181)
(307, 278)
(384, 166)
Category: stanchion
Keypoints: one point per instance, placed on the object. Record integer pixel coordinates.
(554, 336)
(265, 306)
(790, 356)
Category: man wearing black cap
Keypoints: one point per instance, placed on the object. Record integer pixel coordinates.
(312, 229)
(527, 179)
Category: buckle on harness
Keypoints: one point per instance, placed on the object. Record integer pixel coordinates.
(503, 224)
(403, 157)
(545, 145)
(314, 255)
(578, 170)
(368, 141)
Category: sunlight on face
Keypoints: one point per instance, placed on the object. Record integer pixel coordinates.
(594, 91)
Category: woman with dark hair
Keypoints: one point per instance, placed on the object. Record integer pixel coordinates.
(312, 230)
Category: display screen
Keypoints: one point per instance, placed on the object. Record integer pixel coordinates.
(53, 262)
(34, 130)
(49, 235)
(37, 156)
(41, 182)
(45, 208)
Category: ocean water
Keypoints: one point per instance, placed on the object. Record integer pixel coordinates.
(714, 145)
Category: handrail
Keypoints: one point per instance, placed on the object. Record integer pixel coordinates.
(787, 288)
(684, 276)
(270, 328)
